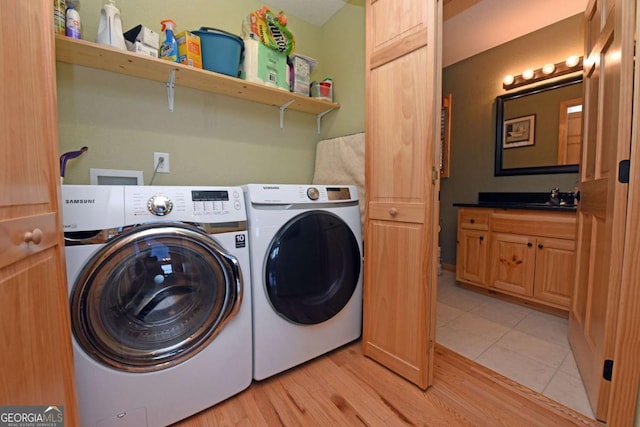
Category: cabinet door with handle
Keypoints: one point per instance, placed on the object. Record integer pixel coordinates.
(37, 365)
(402, 142)
(513, 263)
(471, 258)
(554, 275)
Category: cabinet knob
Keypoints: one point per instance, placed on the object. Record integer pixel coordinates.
(472, 221)
(393, 212)
(34, 236)
(540, 246)
(481, 238)
(529, 244)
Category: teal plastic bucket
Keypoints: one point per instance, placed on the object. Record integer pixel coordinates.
(221, 51)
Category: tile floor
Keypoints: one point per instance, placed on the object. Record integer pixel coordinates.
(523, 344)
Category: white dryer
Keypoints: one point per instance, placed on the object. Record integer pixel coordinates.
(159, 291)
(306, 269)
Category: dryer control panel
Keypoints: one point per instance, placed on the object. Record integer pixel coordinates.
(295, 194)
(188, 204)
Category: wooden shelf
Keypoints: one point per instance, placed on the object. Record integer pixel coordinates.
(88, 54)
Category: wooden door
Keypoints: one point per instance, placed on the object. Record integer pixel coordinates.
(37, 366)
(554, 272)
(514, 259)
(402, 162)
(570, 132)
(608, 92)
(473, 247)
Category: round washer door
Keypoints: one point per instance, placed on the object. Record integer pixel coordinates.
(312, 267)
(154, 297)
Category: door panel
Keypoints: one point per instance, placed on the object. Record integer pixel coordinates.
(608, 87)
(402, 149)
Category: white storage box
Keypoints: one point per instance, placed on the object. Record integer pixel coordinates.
(139, 47)
(143, 35)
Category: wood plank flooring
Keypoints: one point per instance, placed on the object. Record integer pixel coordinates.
(345, 388)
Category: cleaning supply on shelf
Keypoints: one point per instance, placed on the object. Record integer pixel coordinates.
(169, 49)
(189, 49)
(270, 29)
(73, 23)
(110, 26)
(59, 16)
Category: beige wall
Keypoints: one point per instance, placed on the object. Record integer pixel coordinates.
(211, 139)
(474, 84)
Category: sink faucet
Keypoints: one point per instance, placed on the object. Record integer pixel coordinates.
(554, 197)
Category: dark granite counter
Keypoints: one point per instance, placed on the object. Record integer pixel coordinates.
(530, 201)
(522, 205)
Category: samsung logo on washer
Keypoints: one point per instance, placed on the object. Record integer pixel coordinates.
(270, 187)
(80, 201)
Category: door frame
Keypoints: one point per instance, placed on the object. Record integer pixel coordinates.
(623, 397)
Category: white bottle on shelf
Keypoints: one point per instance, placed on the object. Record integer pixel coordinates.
(110, 27)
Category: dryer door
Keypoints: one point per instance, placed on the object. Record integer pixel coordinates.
(154, 297)
(312, 267)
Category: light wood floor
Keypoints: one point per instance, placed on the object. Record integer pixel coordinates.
(345, 388)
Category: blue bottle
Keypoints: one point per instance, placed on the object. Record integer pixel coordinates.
(169, 49)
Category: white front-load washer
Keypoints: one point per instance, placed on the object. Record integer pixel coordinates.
(160, 298)
(306, 269)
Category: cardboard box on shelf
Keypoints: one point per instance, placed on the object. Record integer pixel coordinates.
(301, 67)
(189, 49)
(139, 47)
(142, 34)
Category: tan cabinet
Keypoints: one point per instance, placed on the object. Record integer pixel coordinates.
(402, 150)
(555, 271)
(473, 246)
(512, 263)
(524, 253)
(37, 366)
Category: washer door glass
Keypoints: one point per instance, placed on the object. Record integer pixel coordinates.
(154, 296)
(312, 267)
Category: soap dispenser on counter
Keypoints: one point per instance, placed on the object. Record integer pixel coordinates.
(110, 27)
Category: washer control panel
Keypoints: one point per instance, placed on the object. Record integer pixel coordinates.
(192, 204)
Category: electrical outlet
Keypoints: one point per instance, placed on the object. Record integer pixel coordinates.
(164, 166)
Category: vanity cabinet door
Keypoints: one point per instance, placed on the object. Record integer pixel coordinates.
(513, 263)
(473, 248)
(555, 272)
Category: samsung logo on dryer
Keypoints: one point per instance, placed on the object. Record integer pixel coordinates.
(80, 201)
(270, 187)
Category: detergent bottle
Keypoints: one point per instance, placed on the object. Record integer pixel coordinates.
(110, 27)
(169, 49)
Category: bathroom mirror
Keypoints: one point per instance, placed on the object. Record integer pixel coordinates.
(538, 130)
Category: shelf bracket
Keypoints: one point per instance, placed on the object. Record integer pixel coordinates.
(320, 116)
(282, 108)
(171, 84)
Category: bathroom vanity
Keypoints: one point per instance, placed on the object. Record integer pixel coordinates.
(522, 249)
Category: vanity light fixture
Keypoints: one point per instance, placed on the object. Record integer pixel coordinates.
(548, 69)
(527, 74)
(570, 65)
(572, 61)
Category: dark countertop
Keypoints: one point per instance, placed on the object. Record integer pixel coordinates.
(520, 205)
(524, 200)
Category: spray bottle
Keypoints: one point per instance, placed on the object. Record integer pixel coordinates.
(169, 49)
